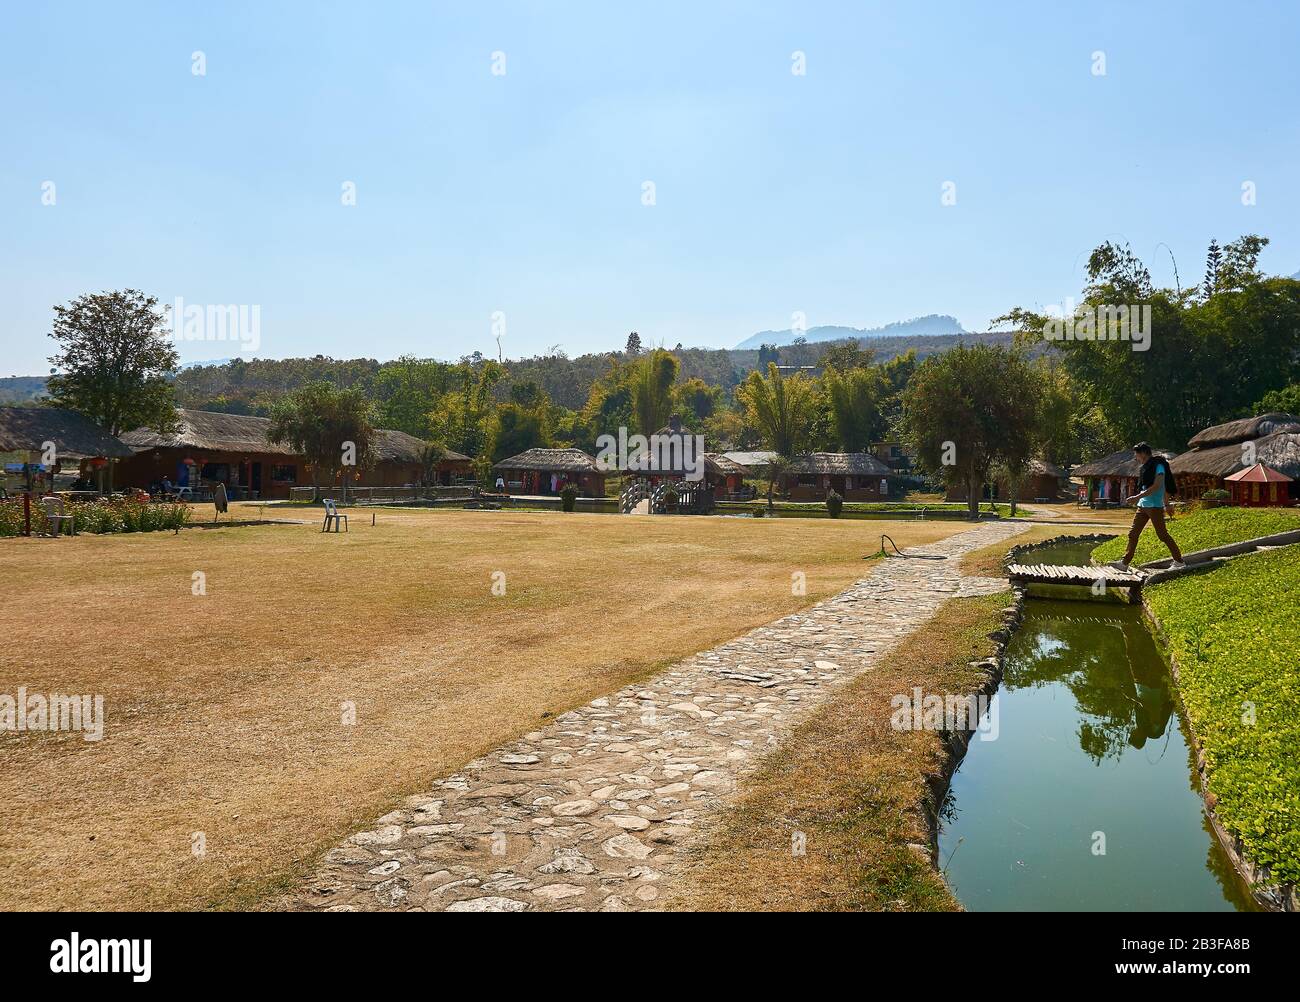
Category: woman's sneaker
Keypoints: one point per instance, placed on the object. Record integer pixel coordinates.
(1177, 565)
(1119, 565)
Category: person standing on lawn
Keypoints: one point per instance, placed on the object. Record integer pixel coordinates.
(1151, 501)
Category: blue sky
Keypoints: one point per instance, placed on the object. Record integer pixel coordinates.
(522, 193)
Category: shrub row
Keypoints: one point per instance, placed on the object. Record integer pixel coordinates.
(98, 516)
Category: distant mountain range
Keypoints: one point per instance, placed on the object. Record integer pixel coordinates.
(21, 389)
(927, 326)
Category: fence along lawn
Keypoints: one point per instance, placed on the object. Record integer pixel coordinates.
(223, 711)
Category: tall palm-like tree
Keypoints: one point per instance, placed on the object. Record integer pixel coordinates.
(652, 390)
(781, 409)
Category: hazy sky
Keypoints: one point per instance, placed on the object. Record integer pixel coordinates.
(522, 193)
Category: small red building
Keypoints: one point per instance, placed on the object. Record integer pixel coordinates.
(1259, 486)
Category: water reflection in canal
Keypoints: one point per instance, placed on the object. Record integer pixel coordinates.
(1089, 755)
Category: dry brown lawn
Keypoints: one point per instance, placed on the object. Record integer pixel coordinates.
(853, 786)
(224, 711)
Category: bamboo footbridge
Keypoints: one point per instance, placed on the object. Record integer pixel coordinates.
(1098, 580)
(1065, 575)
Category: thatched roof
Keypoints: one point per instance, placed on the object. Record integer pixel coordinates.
(399, 447)
(212, 431)
(1244, 429)
(27, 429)
(1280, 450)
(751, 461)
(726, 467)
(1042, 468)
(1119, 464)
(550, 461)
(859, 464)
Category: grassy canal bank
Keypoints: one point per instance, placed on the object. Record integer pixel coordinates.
(1232, 637)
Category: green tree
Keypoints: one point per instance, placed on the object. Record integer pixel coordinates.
(527, 393)
(696, 399)
(855, 399)
(1283, 401)
(847, 354)
(406, 391)
(114, 360)
(969, 408)
(462, 419)
(781, 409)
(633, 346)
(1213, 265)
(431, 456)
(608, 406)
(652, 390)
(1208, 358)
(1240, 266)
(519, 429)
(897, 373)
(334, 429)
(777, 469)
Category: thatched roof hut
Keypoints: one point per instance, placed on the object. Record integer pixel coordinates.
(27, 429)
(1218, 452)
(550, 461)
(1244, 429)
(1280, 450)
(545, 471)
(237, 449)
(860, 464)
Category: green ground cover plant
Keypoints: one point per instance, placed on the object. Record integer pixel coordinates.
(1235, 637)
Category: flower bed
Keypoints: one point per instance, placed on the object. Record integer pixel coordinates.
(99, 516)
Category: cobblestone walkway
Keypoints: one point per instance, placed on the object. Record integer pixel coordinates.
(594, 811)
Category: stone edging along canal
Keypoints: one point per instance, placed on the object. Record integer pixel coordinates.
(958, 742)
(1268, 894)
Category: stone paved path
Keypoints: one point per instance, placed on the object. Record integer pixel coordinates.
(595, 810)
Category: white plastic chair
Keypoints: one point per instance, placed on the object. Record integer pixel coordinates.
(56, 515)
(332, 516)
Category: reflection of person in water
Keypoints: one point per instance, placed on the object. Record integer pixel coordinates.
(1108, 662)
(1153, 703)
(1154, 708)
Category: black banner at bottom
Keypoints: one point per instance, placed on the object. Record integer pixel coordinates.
(138, 951)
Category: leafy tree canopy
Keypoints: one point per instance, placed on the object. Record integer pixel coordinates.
(115, 356)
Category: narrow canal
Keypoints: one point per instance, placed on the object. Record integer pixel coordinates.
(1083, 795)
